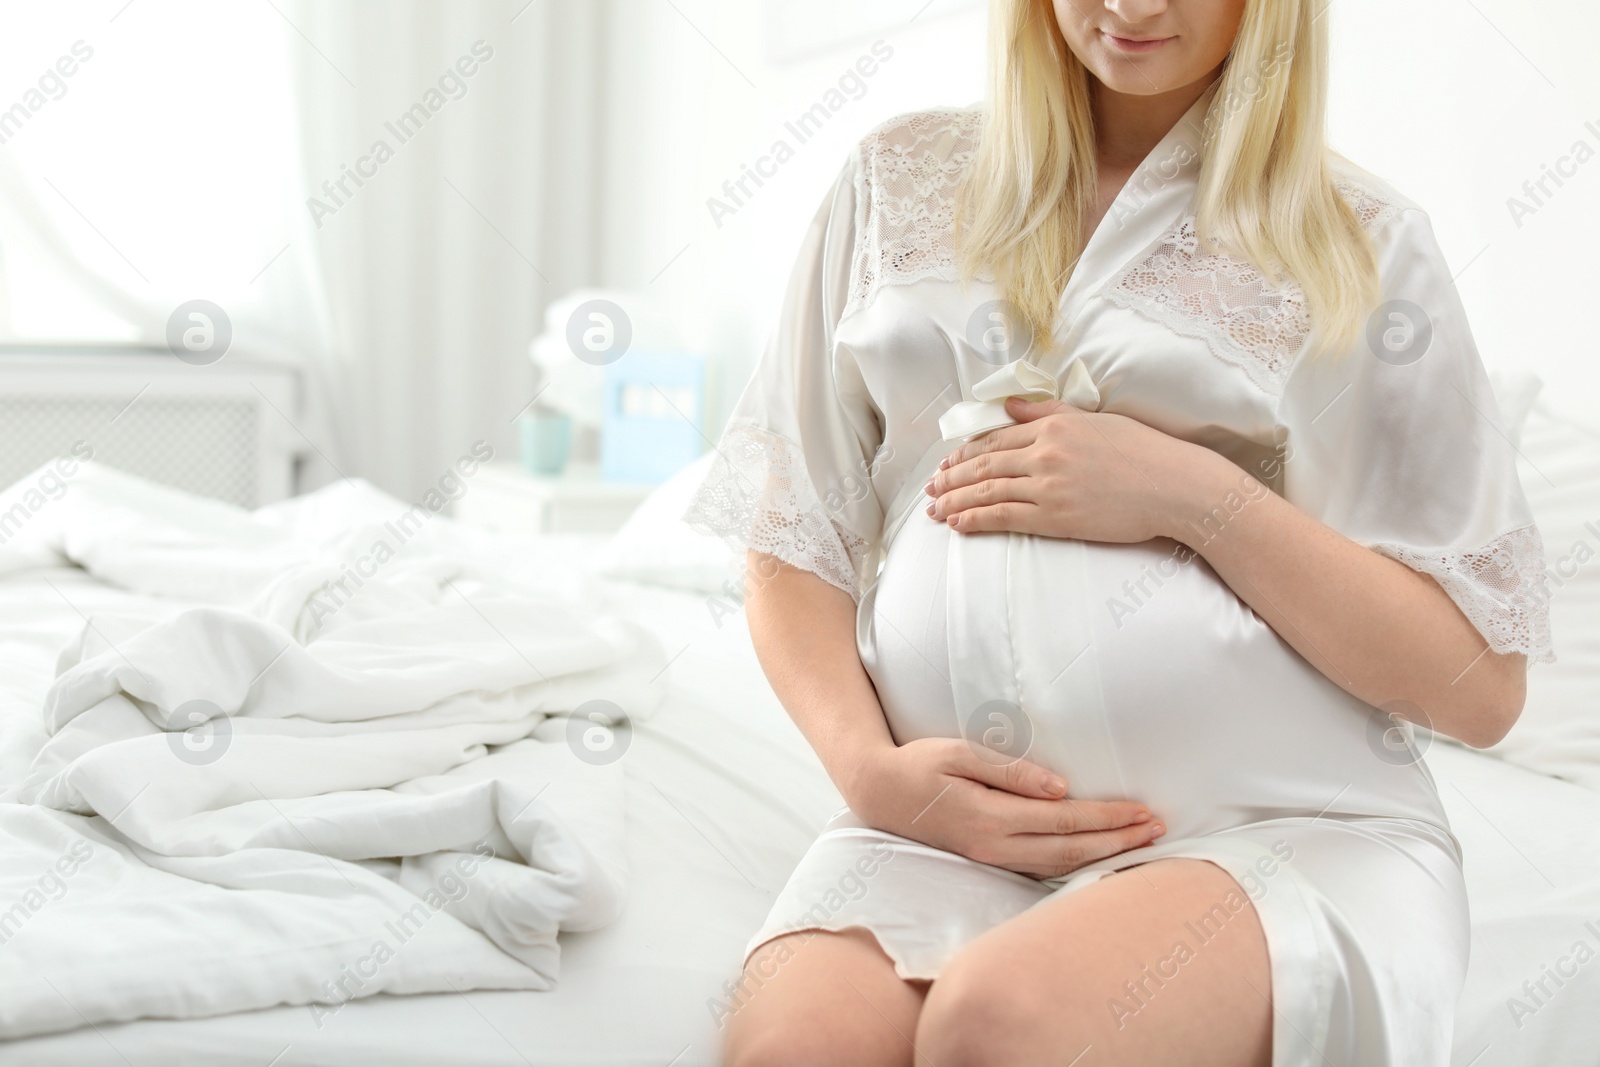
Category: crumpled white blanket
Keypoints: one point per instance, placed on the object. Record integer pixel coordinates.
(332, 769)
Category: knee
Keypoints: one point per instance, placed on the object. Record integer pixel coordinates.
(977, 1016)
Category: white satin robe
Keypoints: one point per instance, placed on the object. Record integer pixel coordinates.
(1133, 669)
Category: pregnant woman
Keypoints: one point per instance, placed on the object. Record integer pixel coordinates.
(1121, 484)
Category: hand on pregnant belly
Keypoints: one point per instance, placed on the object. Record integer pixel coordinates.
(1014, 815)
(1062, 472)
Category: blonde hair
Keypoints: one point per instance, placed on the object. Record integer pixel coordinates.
(1265, 189)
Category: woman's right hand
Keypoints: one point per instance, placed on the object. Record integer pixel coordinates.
(1013, 814)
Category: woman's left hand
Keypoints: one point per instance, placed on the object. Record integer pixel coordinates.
(1064, 472)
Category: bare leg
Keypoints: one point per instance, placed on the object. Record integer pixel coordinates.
(1100, 970)
(819, 999)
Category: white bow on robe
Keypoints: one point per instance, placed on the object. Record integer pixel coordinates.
(987, 409)
(973, 418)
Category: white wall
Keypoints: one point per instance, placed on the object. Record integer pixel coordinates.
(1458, 104)
(1431, 94)
(696, 96)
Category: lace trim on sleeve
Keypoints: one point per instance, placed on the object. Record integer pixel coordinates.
(759, 496)
(1499, 587)
(906, 177)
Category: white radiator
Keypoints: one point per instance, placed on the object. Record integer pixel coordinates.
(226, 430)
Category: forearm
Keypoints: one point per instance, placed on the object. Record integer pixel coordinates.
(1379, 629)
(804, 634)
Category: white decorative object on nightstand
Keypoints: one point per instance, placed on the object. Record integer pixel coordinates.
(507, 498)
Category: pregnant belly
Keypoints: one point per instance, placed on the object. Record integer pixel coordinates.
(1133, 671)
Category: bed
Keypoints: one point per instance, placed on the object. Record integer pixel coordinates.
(723, 796)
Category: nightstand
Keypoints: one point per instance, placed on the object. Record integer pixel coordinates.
(507, 498)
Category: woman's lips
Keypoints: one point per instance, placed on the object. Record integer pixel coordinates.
(1135, 46)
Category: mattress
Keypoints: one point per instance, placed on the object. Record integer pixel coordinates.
(723, 797)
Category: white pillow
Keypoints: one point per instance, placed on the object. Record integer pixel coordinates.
(655, 546)
(1559, 732)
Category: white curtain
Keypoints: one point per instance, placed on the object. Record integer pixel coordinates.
(185, 157)
(148, 159)
(449, 155)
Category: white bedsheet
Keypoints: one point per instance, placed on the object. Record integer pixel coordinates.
(377, 793)
(722, 798)
(1531, 846)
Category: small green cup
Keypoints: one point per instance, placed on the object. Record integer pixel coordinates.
(546, 440)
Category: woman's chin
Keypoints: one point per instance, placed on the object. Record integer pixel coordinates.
(1140, 75)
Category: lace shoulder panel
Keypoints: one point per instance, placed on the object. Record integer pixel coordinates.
(1246, 319)
(1374, 201)
(1500, 588)
(906, 175)
(759, 496)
